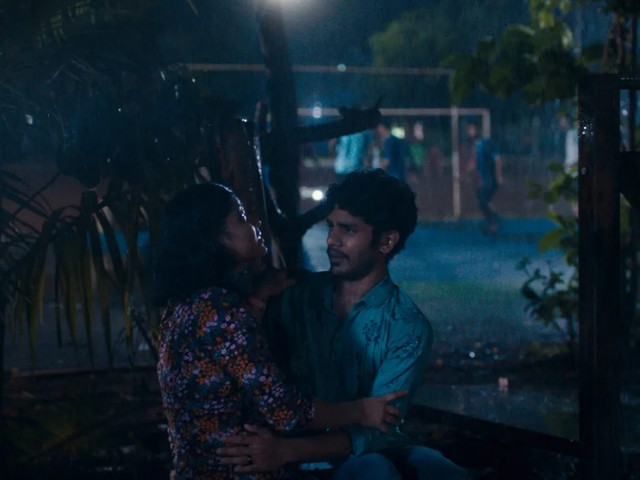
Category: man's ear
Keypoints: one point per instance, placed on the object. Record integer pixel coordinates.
(388, 241)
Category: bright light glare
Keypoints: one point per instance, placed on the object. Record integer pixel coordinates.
(291, 4)
(317, 195)
(398, 131)
(316, 111)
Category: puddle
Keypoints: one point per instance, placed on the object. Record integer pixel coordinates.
(552, 412)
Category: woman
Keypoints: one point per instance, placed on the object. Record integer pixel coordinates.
(215, 371)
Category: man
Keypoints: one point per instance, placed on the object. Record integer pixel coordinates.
(489, 167)
(468, 148)
(394, 151)
(351, 332)
(489, 164)
(570, 143)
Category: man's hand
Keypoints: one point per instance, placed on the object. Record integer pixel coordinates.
(258, 450)
(377, 413)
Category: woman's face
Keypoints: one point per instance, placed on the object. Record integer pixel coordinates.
(241, 238)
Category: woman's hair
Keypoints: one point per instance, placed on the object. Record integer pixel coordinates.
(188, 256)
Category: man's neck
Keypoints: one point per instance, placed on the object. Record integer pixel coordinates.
(346, 293)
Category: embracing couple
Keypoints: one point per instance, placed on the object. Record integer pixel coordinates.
(291, 380)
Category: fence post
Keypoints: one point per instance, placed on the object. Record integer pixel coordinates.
(600, 283)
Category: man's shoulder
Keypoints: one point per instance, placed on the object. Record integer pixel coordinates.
(407, 312)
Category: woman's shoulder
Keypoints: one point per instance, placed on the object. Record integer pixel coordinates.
(219, 296)
(205, 299)
(208, 305)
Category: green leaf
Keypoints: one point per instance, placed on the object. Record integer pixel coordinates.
(64, 249)
(102, 285)
(57, 301)
(34, 286)
(86, 289)
(550, 240)
(114, 250)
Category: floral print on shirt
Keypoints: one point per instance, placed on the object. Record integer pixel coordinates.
(216, 374)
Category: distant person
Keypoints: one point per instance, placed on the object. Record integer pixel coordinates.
(424, 154)
(570, 143)
(394, 151)
(571, 153)
(309, 152)
(488, 166)
(352, 331)
(468, 149)
(417, 148)
(352, 152)
(215, 371)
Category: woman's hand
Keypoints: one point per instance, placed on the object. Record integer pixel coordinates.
(376, 412)
(273, 282)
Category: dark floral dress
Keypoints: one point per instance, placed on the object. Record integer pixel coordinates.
(216, 374)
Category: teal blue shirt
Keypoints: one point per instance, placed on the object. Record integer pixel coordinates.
(382, 346)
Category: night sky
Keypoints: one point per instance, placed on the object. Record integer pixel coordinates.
(320, 32)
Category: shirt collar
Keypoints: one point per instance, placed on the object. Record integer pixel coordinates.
(373, 298)
(379, 293)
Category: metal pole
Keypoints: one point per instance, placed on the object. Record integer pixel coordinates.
(455, 162)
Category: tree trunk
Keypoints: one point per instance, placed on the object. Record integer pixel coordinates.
(283, 160)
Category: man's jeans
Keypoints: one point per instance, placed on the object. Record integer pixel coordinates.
(402, 463)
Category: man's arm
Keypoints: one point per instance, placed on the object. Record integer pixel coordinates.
(269, 452)
(405, 363)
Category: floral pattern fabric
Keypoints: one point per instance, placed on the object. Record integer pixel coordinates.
(216, 374)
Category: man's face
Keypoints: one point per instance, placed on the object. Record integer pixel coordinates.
(383, 131)
(349, 246)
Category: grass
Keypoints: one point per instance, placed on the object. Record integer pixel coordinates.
(467, 311)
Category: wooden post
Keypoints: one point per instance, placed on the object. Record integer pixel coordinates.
(600, 285)
(284, 158)
(282, 105)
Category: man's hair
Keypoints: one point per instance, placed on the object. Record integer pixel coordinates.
(385, 122)
(382, 201)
